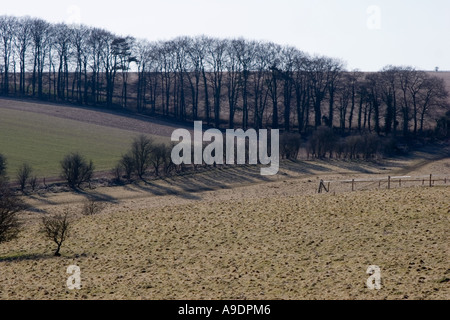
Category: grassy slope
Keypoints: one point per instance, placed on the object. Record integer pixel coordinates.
(43, 140)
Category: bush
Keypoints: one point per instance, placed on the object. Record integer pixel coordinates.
(290, 145)
(389, 146)
(10, 206)
(322, 141)
(56, 228)
(117, 171)
(23, 175)
(372, 146)
(161, 159)
(141, 152)
(92, 207)
(127, 163)
(443, 127)
(168, 165)
(76, 170)
(33, 183)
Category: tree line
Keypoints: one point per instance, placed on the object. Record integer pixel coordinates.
(224, 82)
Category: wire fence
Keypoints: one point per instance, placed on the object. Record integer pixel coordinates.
(390, 182)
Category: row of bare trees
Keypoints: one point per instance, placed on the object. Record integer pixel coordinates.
(225, 82)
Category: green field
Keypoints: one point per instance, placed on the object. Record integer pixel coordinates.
(42, 141)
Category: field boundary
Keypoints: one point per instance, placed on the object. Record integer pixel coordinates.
(389, 182)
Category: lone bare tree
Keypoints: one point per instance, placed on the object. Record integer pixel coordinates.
(56, 228)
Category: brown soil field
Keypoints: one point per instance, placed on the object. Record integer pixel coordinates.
(232, 234)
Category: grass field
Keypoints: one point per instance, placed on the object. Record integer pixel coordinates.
(42, 141)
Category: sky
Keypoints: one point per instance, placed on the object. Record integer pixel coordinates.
(367, 34)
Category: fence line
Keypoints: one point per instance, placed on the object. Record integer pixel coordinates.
(389, 182)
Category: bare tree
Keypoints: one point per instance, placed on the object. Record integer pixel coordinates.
(374, 99)
(22, 45)
(319, 81)
(63, 45)
(8, 27)
(194, 75)
(23, 175)
(56, 228)
(76, 170)
(273, 53)
(141, 151)
(41, 35)
(79, 42)
(260, 88)
(246, 53)
(334, 74)
(302, 90)
(389, 85)
(158, 157)
(216, 56)
(191, 78)
(128, 164)
(233, 77)
(123, 48)
(10, 206)
(432, 97)
(142, 51)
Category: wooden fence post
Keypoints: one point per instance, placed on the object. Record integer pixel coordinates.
(389, 182)
(353, 185)
(431, 177)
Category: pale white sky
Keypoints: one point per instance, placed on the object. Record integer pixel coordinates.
(368, 34)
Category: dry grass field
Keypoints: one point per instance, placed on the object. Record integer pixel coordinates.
(254, 239)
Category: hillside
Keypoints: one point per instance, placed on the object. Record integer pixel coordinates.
(41, 134)
(224, 233)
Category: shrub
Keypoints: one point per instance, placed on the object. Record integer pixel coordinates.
(127, 163)
(290, 145)
(168, 165)
(76, 170)
(389, 146)
(92, 207)
(117, 172)
(56, 228)
(372, 144)
(443, 127)
(141, 152)
(33, 183)
(322, 142)
(23, 175)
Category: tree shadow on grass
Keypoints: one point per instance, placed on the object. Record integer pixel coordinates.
(101, 197)
(25, 257)
(41, 199)
(20, 256)
(160, 190)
